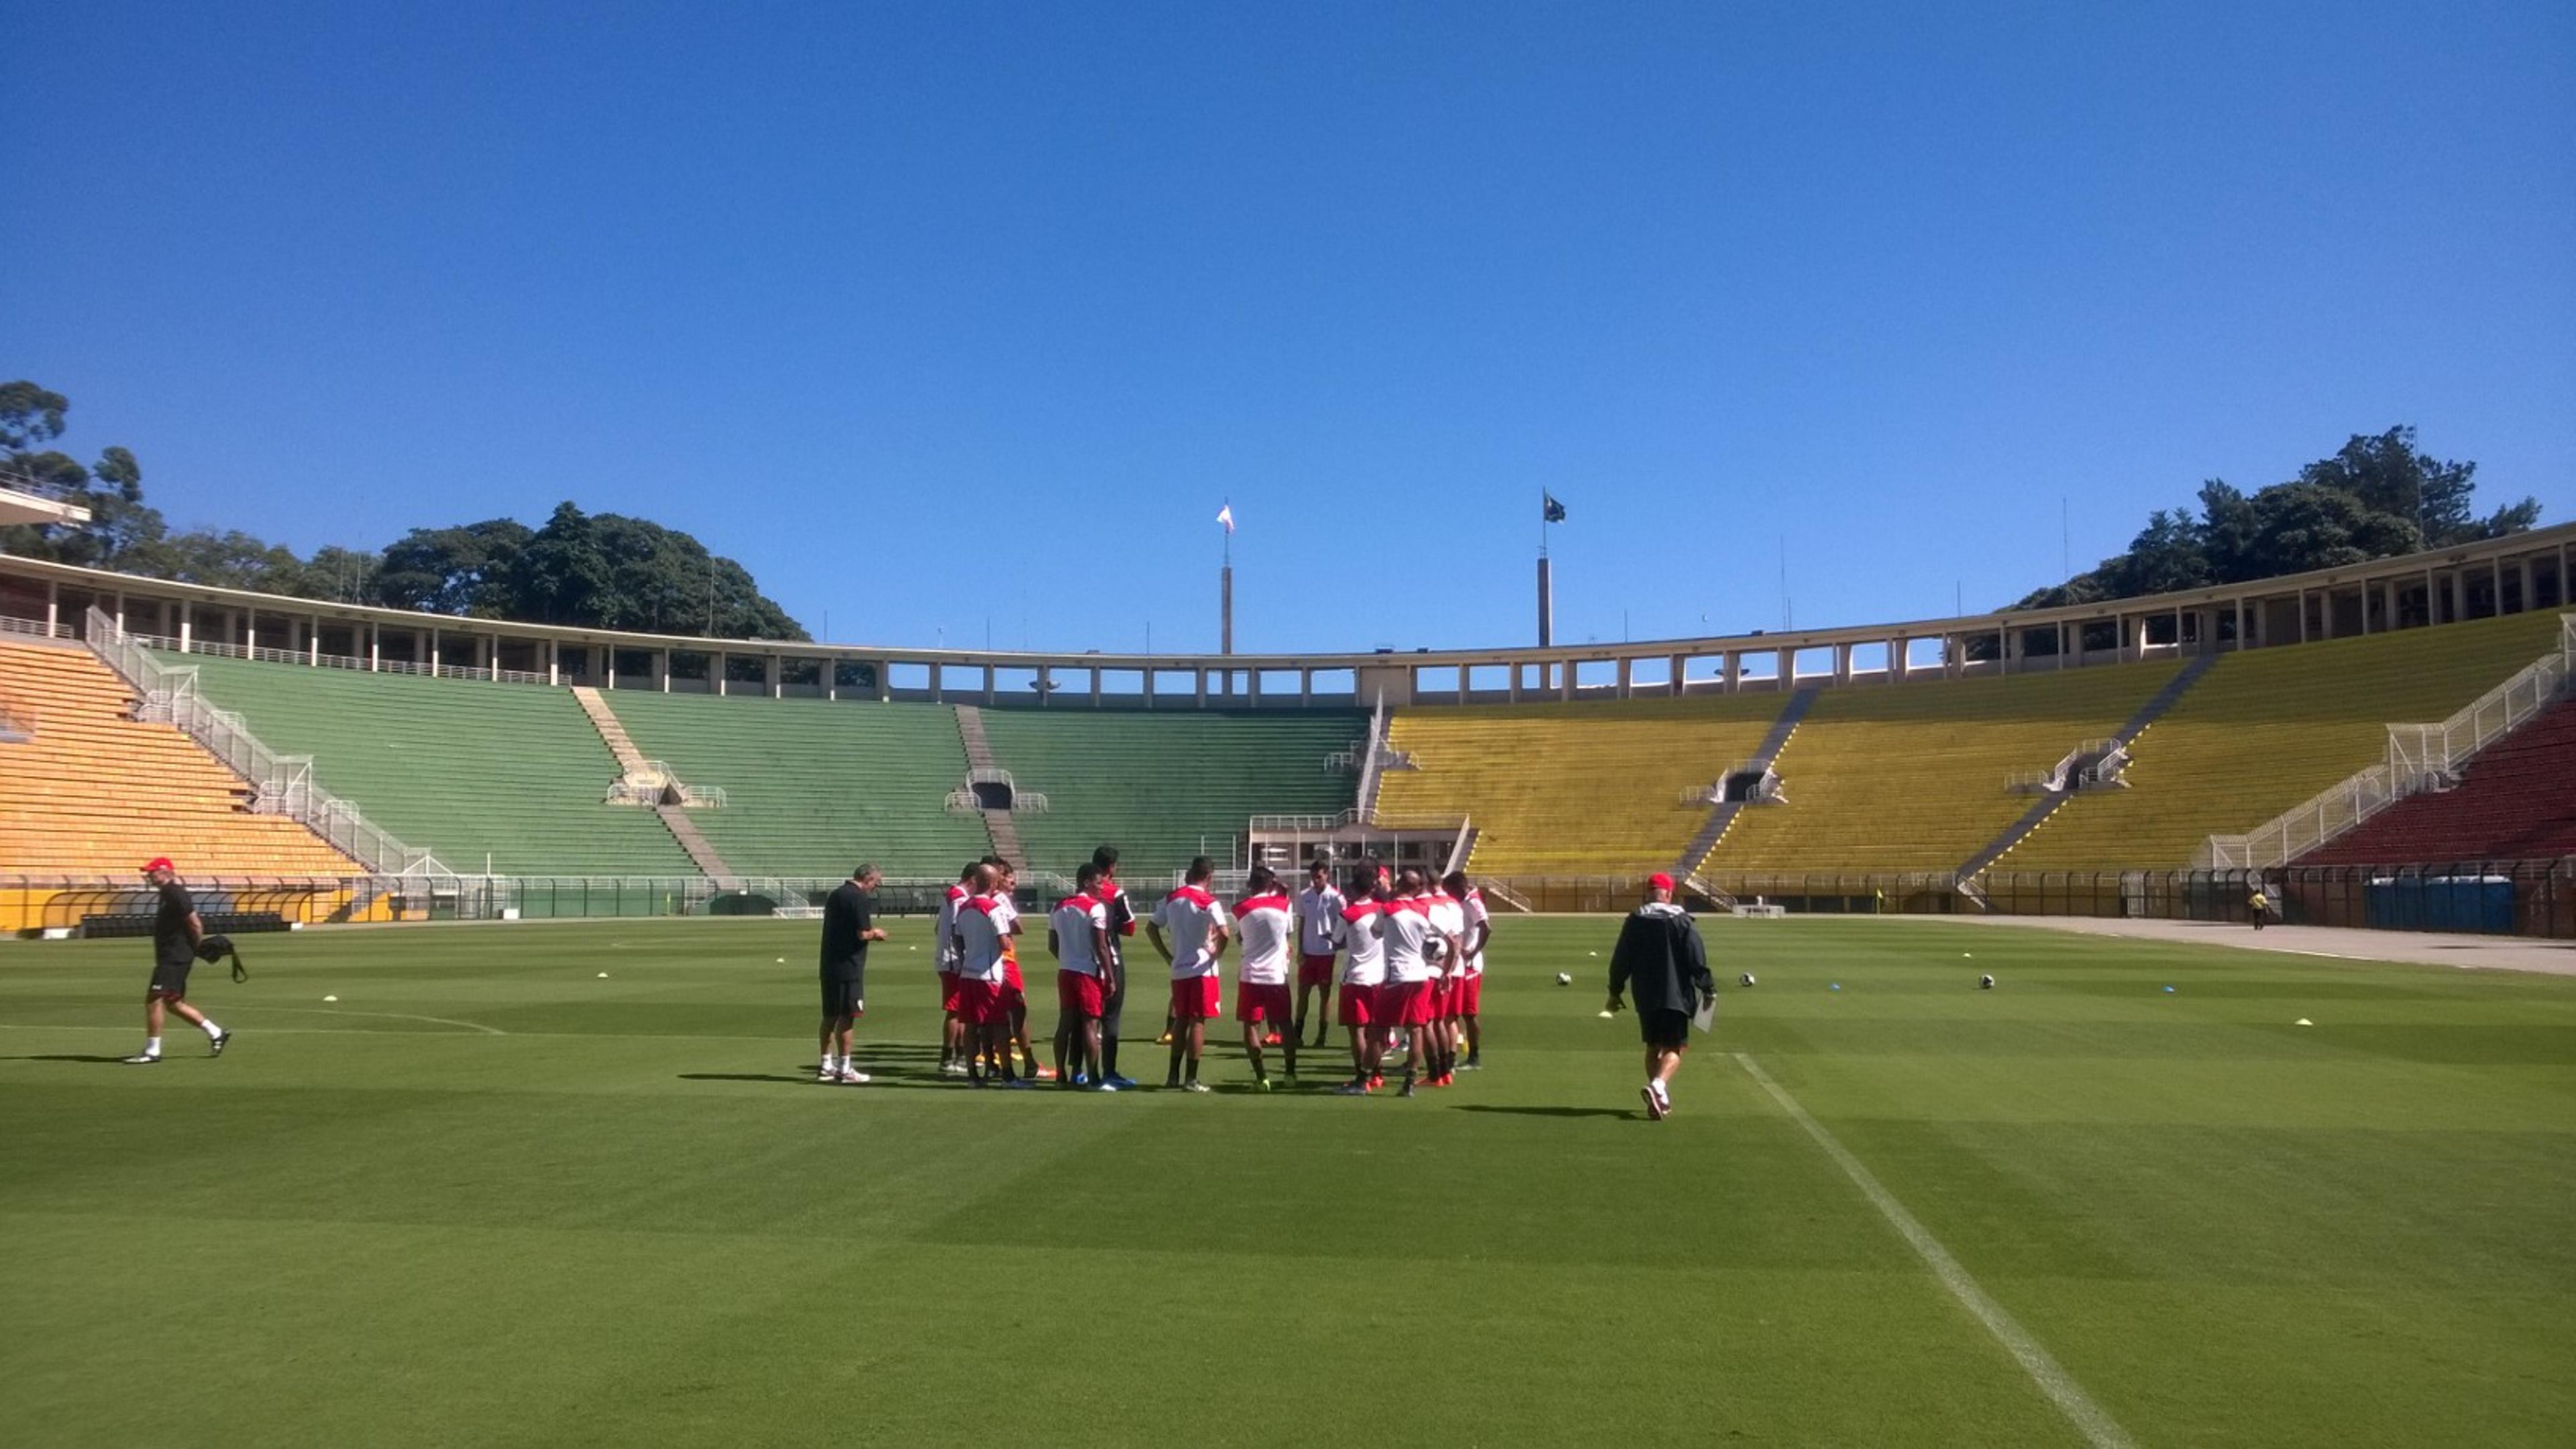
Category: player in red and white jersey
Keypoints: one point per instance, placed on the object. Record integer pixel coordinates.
(1469, 992)
(1404, 929)
(1319, 909)
(1015, 991)
(1448, 926)
(983, 926)
(1078, 938)
(1363, 980)
(1263, 919)
(1189, 928)
(952, 1028)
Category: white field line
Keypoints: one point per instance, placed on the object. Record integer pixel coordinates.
(2097, 1427)
(385, 1015)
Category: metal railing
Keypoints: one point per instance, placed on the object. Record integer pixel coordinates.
(12, 624)
(280, 784)
(2420, 758)
(262, 653)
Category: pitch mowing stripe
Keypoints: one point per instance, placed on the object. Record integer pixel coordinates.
(2088, 1417)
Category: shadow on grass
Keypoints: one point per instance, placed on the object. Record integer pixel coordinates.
(1549, 1111)
(66, 1057)
(878, 1079)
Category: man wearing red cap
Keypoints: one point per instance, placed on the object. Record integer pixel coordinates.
(176, 930)
(1659, 954)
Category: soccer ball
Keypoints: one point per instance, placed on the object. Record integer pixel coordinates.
(1565, 978)
(1748, 978)
(1985, 983)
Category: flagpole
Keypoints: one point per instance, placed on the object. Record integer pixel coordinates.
(1225, 592)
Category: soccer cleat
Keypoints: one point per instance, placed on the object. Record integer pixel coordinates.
(1106, 1087)
(1270, 1039)
(142, 1059)
(1124, 1084)
(1351, 1089)
(1406, 1090)
(1658, 1104)
(1196, 1087)
(1471, 1065)
(826, 1074)
(1376, 1081)
(215, 1044)
(1164, 1040)
(1046, 1074)
(852, 1076)
(1261, 1084)
(1018, 1084)
(954, 1069)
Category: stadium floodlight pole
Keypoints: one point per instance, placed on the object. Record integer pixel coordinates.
(1225, 589)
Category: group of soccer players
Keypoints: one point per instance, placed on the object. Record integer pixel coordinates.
(1398, 960)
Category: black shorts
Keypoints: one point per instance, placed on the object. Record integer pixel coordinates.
(169, 983)
(844, 996)
(1664, 1030)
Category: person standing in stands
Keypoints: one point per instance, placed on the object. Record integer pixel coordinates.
(1659, 955)
(176, 930)
(848, 927)
(1319, 913)
(1119, 919)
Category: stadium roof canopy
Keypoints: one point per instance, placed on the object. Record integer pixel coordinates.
(18, 506)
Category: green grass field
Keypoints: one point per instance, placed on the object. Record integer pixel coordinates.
(488, 1197)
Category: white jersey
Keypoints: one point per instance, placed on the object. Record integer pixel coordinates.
(1477, 925)
(1448, 918)
(948, 904)
(1363, 954)
(1006, 916)
(1319, 912)
(1265, 926)
(1190, 919)
(1405, 928)
(1073, 921)
(982, 927)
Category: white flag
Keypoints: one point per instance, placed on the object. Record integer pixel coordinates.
(1225, 516)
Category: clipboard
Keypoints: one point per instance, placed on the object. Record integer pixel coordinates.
(1705, 1019)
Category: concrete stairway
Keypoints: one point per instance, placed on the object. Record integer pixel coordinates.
(1722, 814)
(2047, 805)
(631, 761)
(979, 756)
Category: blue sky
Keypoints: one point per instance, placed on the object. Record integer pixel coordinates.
(944, 313)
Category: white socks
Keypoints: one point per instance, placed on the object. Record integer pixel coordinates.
(152, 1046)
(210, 1029)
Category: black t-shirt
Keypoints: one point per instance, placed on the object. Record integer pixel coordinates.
(170, 943)
(845, 918)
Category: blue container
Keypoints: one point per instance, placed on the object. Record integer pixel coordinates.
(2473, 903)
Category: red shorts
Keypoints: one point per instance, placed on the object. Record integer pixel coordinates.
(1470, 995)
(948, 981)
(1263, 1003)
(1404, 1003)
(979, 1002)
(1359, 1005)
(1194, 998)
(1439, 998)
(1011, 974)
(1077, 994)
(1316, 971)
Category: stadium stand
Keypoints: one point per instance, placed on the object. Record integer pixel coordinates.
(2516, 800)
(813, 787)
(1912, 777)
(1582, 788)
(2269, 728)
(1165, 786)
(93, 792)
(467, 770)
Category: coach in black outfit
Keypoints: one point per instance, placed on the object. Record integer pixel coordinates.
(848, 926)
(176, 930)
(1660, 956)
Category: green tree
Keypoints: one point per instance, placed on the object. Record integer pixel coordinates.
(119, 525)
(471, 570)
(2377, 496)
